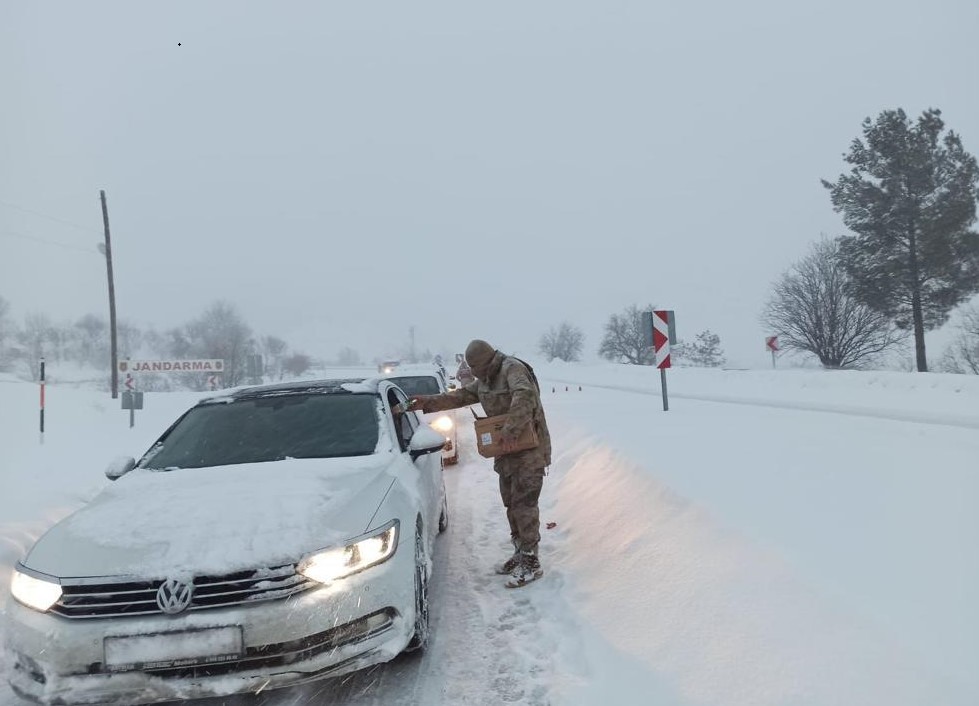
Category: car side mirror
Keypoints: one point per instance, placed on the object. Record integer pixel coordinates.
(425, 441)
(119, 467)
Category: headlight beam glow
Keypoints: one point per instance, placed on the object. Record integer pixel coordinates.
(442, 425)
(33, 592)
(330, 565)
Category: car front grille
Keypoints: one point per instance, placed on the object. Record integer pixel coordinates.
(113, 598)
(271, 657)
(283, 654)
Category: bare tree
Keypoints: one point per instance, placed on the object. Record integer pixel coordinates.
(220, 332)
(563, 341)
(296, 364)
(34, 339)
(156, 343)
(813, 309)
(178, 343)
(962, 356)
(92, 335)
(273, 350)
(624, 339)
(130, 339)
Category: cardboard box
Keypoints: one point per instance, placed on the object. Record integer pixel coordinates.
(488, 431)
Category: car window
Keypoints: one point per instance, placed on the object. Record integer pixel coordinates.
(417, 384)
(270, 428)
(405, 423)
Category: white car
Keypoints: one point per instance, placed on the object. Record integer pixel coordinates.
(272, 536)
(431, 381)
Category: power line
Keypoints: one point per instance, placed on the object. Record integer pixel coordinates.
(50, 218)
(66, 246)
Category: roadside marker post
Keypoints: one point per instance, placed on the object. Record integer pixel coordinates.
(664, 332)
(659, 333)
(132, 399)
(42, 401)
(771, 344)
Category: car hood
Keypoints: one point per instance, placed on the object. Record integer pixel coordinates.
(158, 524)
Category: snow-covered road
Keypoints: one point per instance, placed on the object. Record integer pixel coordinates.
(718, 554)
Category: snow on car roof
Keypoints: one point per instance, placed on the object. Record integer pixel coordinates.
(313, 387)
(418, 366)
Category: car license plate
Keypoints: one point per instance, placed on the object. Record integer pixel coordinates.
(173, 649)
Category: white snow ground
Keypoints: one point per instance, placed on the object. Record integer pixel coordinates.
(738, 550)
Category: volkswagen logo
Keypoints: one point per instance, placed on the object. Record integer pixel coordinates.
(174, 596)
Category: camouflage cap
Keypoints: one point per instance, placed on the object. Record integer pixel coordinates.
(479, 353)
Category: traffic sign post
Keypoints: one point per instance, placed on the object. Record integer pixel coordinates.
(42, 401)
(664, 333)
(771, 344)
(659, 333)
(132, 399)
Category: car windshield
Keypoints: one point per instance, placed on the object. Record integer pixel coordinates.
(273, 428)
(417, 384)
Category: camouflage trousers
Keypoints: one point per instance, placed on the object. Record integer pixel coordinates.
(520, 490)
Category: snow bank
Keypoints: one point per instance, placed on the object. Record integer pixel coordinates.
(919, 397)
(712, 616)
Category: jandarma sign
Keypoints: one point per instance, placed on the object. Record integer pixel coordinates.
(171, 366)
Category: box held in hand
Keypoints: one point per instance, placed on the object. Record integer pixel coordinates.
(489, 430)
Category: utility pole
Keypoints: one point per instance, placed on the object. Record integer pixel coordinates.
(112, 299)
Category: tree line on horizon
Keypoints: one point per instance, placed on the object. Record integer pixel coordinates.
(219, 332)
(624, 341)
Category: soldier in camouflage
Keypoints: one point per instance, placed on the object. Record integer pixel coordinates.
(504, 385)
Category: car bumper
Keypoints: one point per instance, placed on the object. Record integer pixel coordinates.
(327, 631)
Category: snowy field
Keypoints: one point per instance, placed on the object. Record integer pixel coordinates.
(776, 538)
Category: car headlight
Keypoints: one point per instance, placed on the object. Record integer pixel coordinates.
(34, 592)
(443, 424)
(336, 563)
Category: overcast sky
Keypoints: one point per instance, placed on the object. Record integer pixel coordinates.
(343, 171)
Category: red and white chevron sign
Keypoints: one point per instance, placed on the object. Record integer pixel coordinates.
(661, 338)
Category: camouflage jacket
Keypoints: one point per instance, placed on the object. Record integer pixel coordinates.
(509, 390)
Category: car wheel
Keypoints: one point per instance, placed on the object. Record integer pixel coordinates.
(444, 516)
(420, 637)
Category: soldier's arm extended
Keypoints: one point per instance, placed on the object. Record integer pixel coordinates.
(461, 397)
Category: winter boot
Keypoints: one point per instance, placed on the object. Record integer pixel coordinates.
(528, 569)
(510, 564)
